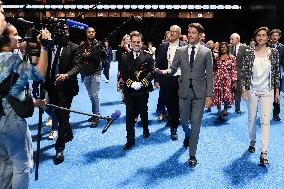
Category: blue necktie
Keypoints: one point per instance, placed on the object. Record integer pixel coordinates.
(192, 56)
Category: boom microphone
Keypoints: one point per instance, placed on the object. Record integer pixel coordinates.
(75, 24)
(22, 21)
(114, 116)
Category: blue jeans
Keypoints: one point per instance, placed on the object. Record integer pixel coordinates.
(92, 84)
(16, 154)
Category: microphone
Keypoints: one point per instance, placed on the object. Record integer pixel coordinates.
(75, 24)
(114, 116)
(22, 21)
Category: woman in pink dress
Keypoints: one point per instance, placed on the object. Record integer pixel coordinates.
(225, 75)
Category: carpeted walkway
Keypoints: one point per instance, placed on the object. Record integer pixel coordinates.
(97, 161)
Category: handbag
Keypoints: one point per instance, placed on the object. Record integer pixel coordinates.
(23, 108)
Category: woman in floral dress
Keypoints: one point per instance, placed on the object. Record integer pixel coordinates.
(225, 75)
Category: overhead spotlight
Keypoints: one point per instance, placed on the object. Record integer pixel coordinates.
(86, 7)
(148, 7)
(80, 7)
(47, 6)
(100, 7)
(105, 6)
(72, 6)
(205, 6)
(220, 7)
(169, 6)
(52, 6)
(183, 7)
(141, 6)
(176, 7)
(236, 7)
(119, 7)
(112, 6)
(133, 6)
(213, 7)
(190, 6)
(198, 6)
(228, 7)
(162, 7)
(155, 6)
(126, 6)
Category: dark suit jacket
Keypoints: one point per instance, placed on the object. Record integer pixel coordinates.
(162, 61)
(140, 70)
(69, 63)
(239, 58)
(280, 49)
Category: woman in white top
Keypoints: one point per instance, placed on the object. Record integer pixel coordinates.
(260, 77)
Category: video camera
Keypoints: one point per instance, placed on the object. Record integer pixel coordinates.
(56, 26)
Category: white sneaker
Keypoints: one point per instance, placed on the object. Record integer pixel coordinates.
(48, 122)
(106, 80)
(53, 135)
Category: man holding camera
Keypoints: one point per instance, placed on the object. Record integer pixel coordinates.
(62, 85)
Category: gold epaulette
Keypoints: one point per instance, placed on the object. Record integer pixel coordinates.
(145, 82)
(129, 83)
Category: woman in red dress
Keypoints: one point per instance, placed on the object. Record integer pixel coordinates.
(225, 75)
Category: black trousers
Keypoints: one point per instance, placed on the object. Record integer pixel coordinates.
(135, 105)
(238, 95)
(161, 107)
(172, 100)
(106, 67)
(60, 98)
(276, 106)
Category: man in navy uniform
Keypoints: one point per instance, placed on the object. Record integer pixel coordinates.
(137, 70)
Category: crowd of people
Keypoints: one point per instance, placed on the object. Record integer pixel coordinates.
(191, 75)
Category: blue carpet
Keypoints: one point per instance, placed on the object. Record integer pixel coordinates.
(97, 161)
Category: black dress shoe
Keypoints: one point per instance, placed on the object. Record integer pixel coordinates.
(146, 133)
(128, 145)
(192, 162)
(238, 111)
(263, 159)
(59, 157)
(68, 137)
(174, 135)
(186, 142)
(251, 149)
(276, 118)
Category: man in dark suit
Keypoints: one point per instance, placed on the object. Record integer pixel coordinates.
(238, 50)
(137, 70)
(195, 86)
(169, 85)
(275, 35)
(62, 85)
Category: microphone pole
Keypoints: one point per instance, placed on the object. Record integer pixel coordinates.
(119, 27)
(39, 135)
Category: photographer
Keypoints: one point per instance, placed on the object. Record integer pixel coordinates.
(62, 85)
(15, 138)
